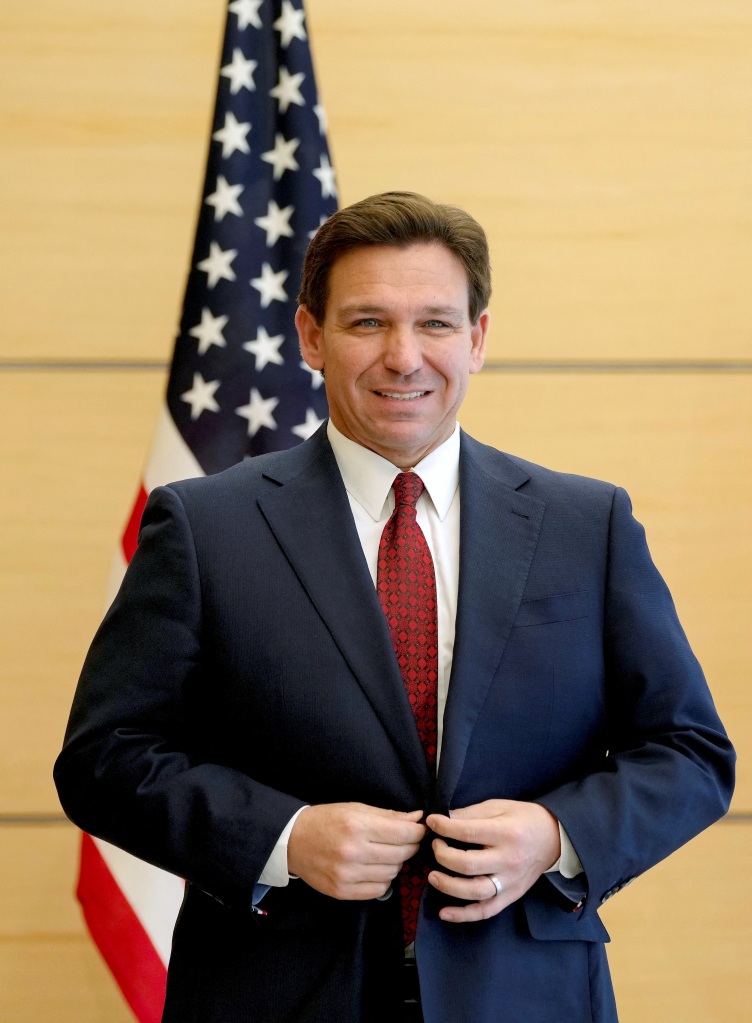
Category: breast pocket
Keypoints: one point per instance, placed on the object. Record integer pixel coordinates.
(558, 607)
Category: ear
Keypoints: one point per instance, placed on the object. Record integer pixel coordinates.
(310, 335)
(478, 336)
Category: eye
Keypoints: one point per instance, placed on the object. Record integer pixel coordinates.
(437, 325)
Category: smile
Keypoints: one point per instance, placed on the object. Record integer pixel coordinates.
(400, 396)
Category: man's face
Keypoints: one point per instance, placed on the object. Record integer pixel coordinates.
(397, 346)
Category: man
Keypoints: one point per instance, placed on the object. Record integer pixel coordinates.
(355, 704)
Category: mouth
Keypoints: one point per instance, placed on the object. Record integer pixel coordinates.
(401, 395)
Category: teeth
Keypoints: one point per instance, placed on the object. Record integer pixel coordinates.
(401, 397)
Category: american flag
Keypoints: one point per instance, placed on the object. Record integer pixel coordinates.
(237, 384)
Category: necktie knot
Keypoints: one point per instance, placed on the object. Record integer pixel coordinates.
(408, 487)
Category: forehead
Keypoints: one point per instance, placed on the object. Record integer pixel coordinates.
(425, 273)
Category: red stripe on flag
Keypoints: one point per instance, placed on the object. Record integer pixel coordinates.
(130, 536)
(120, 936)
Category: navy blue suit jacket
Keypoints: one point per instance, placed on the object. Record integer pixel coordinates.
(245, 669)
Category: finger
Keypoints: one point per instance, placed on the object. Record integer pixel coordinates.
(352, 875)
(470, 862)
(473, 889)
(478, 831)
(392, 831)
(381, 811)
(383, 853)
(473, 911)
(413, 815)
(488, 808)
(363, 891)
(377, 873)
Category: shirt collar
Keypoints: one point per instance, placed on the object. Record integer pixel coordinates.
(368, 477)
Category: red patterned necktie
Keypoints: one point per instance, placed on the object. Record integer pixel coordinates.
(406, 586)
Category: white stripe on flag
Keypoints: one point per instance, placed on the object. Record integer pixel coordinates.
(170, 459)
(153, 894)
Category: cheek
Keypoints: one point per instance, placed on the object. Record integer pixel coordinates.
(456, 377)
(451, 363)
(351, 360)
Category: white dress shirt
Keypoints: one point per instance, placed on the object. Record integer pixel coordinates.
(368, 481)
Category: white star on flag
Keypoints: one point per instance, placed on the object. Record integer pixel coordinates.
(287, 90)
(265, 349)
(309, 427)
(233, 135)
(240, 72)
(321, 116)
(276, 223)
(281, 157)
(258, 412)
(270, 285)
(209, 331)
(247, 12)
(325, 174)
(201, 396)
(217, 264)
(316, 377)
(225, 199)
(290, 24)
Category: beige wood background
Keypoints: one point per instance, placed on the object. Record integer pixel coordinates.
(607, 149)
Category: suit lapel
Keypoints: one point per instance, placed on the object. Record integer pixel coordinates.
(499, 530)
(310, 516)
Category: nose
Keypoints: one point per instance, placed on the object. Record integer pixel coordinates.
(403, 353)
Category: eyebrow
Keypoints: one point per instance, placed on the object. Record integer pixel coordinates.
(373, 310)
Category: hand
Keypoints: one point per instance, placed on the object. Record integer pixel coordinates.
(351, 850)
(520, 841)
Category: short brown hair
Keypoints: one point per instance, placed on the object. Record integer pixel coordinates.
(397, 219)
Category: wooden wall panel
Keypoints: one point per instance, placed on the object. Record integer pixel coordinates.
(681, 934)
(72, 446)
(606, 148)
(105, 113)
(49, 969)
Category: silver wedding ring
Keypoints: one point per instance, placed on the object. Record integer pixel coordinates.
(496, 883)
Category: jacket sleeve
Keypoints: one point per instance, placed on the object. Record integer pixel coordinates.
(133, 769)
(669, 772)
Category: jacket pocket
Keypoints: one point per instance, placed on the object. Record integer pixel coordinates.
(559, 607)
(547, 921)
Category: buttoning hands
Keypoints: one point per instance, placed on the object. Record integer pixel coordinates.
(519, 841)
(352, 850)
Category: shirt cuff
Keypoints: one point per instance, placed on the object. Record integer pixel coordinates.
(568, 864)
(275, 872)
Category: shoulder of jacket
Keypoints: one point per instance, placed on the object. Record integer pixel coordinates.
(545, 482)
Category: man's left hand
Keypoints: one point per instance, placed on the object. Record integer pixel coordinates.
(519, 842)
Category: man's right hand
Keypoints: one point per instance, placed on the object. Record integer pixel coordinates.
(351, 850)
